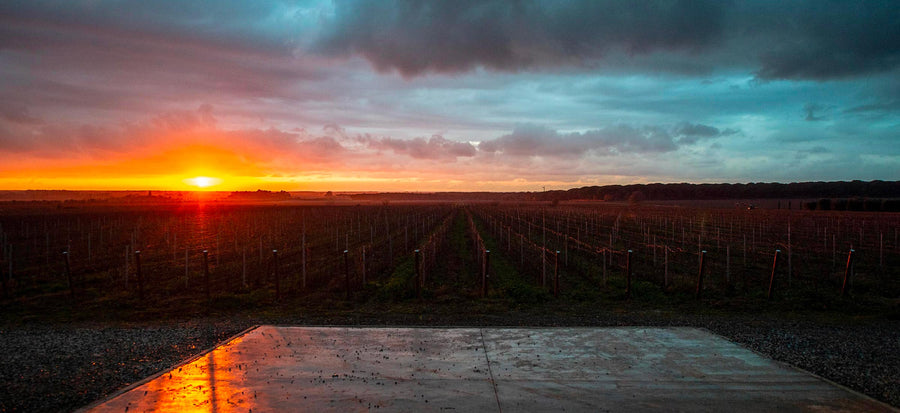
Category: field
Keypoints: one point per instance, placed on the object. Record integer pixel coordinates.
(191, 259)
(459, 264)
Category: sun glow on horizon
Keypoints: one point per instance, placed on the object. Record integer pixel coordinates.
(202, 182)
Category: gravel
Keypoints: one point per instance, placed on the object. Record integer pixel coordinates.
(52, 369)
(865, 358)
(62, 368)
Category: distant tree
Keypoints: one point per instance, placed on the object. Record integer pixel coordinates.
(839, 204)
(856, 204)
(872, 204)
(636, 197)
(890, 205)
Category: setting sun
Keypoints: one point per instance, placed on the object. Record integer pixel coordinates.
(203, 181)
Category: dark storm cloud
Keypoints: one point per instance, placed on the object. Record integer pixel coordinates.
(450, 36)
(776, 40)
(831, 39)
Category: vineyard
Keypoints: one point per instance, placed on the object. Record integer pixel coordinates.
(189, 258)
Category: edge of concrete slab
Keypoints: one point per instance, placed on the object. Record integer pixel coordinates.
(152, 377)
(796, 368)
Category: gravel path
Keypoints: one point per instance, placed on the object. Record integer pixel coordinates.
(64, 368)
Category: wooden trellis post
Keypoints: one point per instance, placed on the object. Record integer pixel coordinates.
(485, 272)
(206, 274)
(700, 274)
(772, 277)
(139, 273)
(845, 287)
(69, 274)
(418, 274)
(275, 273)
(556, 274)
(628, 275)
(346, 274)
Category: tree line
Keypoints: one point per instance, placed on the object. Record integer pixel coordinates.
(849, 190)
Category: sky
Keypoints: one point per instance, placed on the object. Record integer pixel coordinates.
(446, 95)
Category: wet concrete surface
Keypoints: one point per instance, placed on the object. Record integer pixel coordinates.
(484, 369)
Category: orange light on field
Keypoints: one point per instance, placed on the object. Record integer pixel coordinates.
(202, 181)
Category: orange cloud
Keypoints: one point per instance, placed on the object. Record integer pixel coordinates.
(161, 153)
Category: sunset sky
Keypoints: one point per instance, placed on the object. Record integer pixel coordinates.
(456, 95)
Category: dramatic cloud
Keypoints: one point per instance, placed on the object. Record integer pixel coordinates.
(543, 142)
(433, 95)
(831, 39)
(530, 140)
(417, 37)
(777, 40)
(189, 137)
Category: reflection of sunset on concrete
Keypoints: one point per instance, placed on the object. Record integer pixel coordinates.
(209, 383)
(483, 369)
(312, 368)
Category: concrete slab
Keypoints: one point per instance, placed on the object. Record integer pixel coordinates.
(488, 369)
